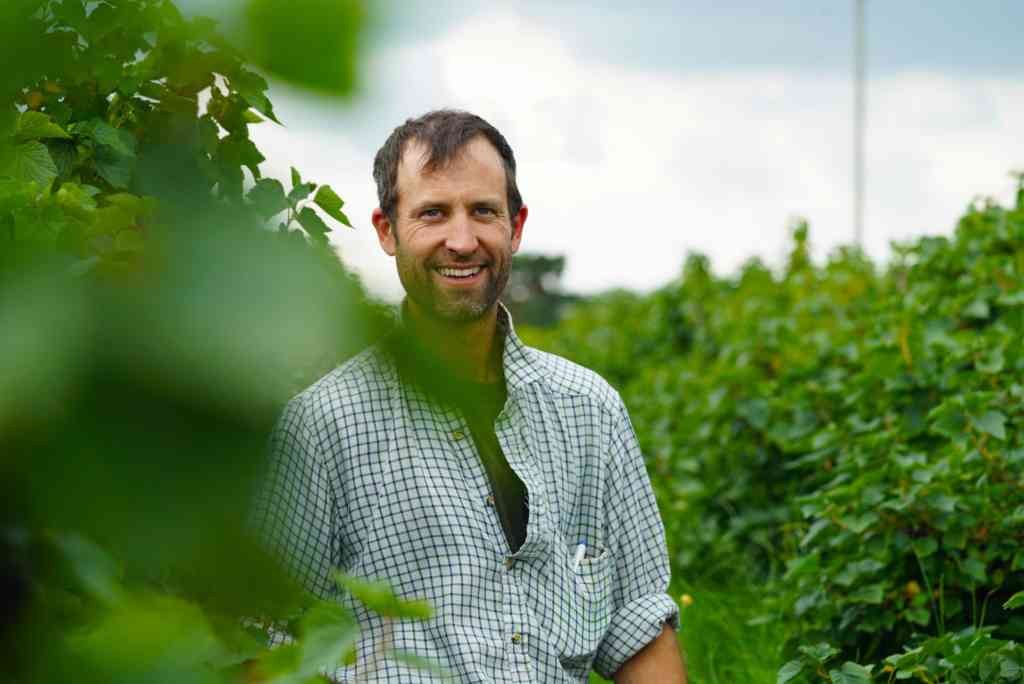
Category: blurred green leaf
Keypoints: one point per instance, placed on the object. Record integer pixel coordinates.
(992, 423)
(150, 638)
(1015, 601)
(380, 598)
(267, 197)
(36, 126)
(93, 566)
(324, 59)
(790, 671)
(851, 673)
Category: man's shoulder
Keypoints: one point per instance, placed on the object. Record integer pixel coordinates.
(568, 378)
(367, 376)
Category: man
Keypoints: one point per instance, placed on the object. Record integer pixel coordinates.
(502, 484)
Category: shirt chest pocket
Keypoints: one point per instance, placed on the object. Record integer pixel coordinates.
(582, 603)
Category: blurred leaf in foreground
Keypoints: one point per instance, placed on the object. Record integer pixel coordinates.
(311, 43)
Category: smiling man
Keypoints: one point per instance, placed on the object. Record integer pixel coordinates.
(501, 483)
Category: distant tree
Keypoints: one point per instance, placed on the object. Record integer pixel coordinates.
(534, 294)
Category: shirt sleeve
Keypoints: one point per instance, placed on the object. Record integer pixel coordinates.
(641, 605)
(294, 507)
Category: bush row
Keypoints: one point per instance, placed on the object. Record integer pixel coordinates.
(848, 435)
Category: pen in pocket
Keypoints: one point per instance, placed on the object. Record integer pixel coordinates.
(581, 551)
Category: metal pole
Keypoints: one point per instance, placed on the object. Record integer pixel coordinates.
(858, 126)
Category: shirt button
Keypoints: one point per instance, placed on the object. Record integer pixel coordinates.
(458, 434)
(489, 500)
(509, 562)
(517, 638)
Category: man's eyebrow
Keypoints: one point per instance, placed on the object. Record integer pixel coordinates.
(429, 204)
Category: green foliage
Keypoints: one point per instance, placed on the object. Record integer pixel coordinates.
(153, 328)
(140, 103)
(848, 438)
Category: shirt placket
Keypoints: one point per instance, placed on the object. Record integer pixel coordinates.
(518, 620)
(516, 624)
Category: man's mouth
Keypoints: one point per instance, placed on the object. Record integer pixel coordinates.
(468, 272)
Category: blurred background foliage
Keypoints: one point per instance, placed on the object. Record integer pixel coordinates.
(838, 453)
(159, 301)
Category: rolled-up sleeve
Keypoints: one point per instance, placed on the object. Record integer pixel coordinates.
(641, 605)
(293, 511)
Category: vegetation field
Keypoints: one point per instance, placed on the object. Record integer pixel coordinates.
(838, 453)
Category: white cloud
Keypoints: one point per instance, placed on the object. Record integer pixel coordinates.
(625, 170)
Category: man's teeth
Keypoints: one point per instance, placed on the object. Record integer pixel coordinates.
(459, 272)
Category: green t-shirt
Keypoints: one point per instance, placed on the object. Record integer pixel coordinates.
(483, 402)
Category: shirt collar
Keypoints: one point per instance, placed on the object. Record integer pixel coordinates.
(518, 363)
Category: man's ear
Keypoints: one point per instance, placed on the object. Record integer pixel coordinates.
(385, 231)
(518, 221)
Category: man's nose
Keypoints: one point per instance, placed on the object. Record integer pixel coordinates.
(461, 237)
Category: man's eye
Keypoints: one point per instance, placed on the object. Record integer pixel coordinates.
(430, 213)
(487, 211)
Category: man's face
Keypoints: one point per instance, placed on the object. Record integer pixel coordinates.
(453, 238)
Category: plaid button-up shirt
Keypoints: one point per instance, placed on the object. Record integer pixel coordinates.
(369, 477)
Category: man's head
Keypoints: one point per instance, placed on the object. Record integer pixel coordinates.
(450, 212)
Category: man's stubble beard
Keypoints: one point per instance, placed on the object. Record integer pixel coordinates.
(452, 306)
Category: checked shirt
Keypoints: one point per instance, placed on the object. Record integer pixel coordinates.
(367, 476)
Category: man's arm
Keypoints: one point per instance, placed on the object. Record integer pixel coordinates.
(641, 606)
(659, 661)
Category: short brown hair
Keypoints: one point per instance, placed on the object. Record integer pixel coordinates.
(444, 132)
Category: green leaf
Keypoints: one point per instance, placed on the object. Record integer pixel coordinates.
(379, 597)
(252, 87)
(324, 59)
(296, 178)
(328, 632)
(94, 568)
(421, 663)
(873, 594)
(36, 126)
(925, 546)
(816, 528)
(148, 634)
(978, 309)
(64, 154)
(851, 673)
(975, 569)
(73, 198)
(300, 192)
(235, 150)
(329, 201)
(31, 161)
(919, 616)
(820, 652)
(119, 141)
(209, 134)
(991, 423)
(268, 197)
(129, 241)
(992, 363)
(857, 569)
(313, 224)
(114, 167)
(789, 671)
(1015, 601)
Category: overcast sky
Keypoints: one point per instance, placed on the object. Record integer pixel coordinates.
(648, 131)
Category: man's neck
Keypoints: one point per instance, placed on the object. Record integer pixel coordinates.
(470, 349)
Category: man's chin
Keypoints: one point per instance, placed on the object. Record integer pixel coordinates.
(459, 312)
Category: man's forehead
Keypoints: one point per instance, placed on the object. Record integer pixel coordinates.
(416, 155)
